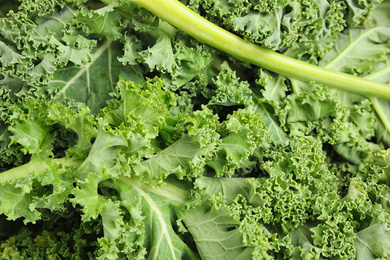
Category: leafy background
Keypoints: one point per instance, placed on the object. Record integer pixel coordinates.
(149, 144)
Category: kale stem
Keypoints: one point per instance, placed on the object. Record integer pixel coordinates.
(35, 166)
(177, 14)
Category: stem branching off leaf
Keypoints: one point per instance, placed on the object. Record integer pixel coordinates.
(188, 21)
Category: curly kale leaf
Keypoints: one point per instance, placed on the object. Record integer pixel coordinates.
(63, 51)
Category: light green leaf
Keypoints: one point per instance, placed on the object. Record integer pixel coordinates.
(275, 131)
(150, 233)
(81, 122)
(184, 158)
(230, 90)
(301, 238)
(245, 133)
(160, 55)
(7, 55)
(105, 21)
(104, 153)
(381, 14)
(373, 242)
(216, 233)
(86, 195)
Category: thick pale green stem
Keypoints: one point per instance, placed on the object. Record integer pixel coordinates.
(35, 166)
(188, 21)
